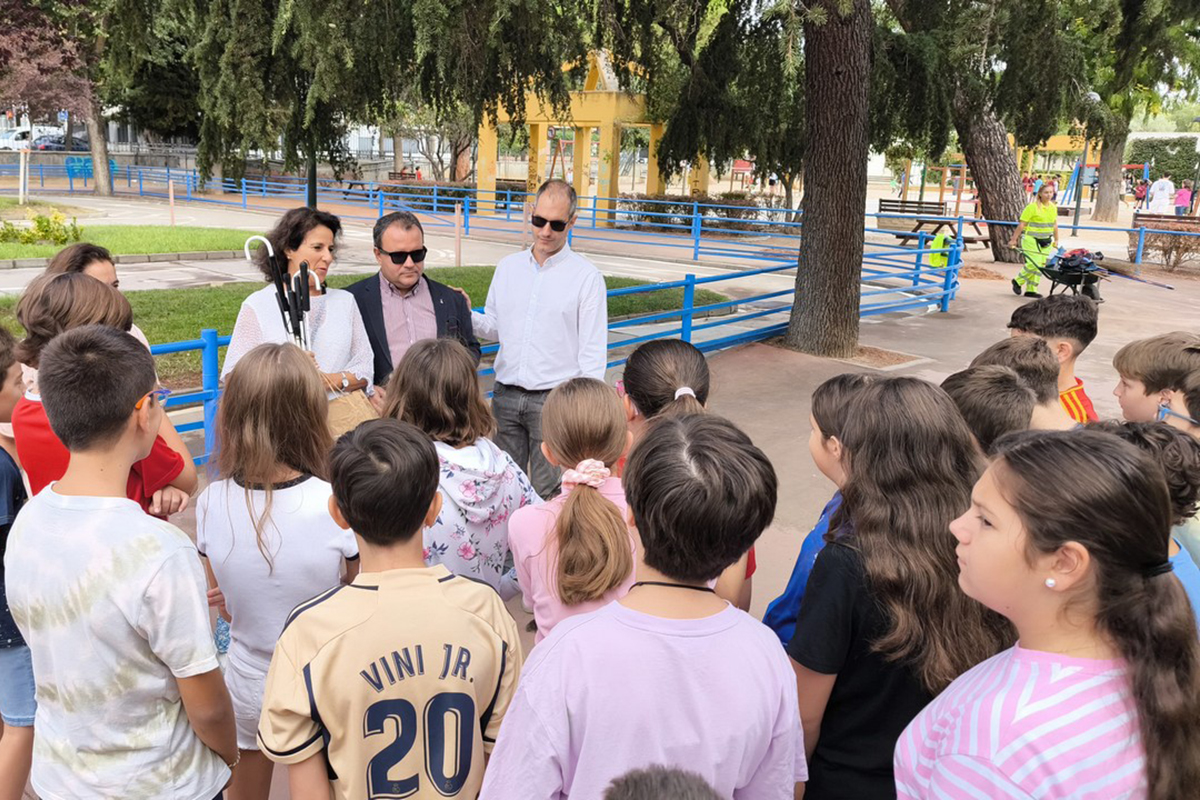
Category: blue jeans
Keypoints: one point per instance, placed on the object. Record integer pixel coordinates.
(1180, 210)
(17, 692)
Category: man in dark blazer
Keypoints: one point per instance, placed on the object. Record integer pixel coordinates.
(399, 305)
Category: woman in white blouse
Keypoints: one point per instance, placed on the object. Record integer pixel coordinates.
(336, 335)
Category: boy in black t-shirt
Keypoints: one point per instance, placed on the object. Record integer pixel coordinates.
(17, 703)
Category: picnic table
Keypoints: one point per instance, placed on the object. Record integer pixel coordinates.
(931, 226)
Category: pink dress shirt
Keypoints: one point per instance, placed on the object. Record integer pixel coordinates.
(407, 318)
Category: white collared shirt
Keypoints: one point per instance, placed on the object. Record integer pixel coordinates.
(551, 320)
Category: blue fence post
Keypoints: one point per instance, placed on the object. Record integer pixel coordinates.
(187, 185)
(168, 181)
(920, 256)
(435, 192)
(211, 383)
(42, 174)
(595, 205)
(959, 239)
(244, 193)
(466, 216)
(950, 277)
(1137, 259)
(508, 205)
(140, 192)
(70, 181)
(689, 297)
(128, 176)
(695, 231)
(381, 201)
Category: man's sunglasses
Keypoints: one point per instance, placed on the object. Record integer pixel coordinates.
(401, 256)
(556, 225)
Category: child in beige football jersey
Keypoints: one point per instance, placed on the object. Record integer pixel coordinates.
(396, 684)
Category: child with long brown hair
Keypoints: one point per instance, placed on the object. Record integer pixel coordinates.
(436, 388)
(1101, 695)
(669, 377)
(264, 528)
(575, 554)
(883, 626)
(827, 414)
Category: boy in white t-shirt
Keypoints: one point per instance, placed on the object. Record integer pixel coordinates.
(670, 674)
(130, 702)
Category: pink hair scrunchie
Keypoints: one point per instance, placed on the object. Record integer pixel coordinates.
(588, 472)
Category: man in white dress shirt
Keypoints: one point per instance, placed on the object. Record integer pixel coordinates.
(548, 309)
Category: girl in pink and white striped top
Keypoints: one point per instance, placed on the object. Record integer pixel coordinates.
(1101, 696)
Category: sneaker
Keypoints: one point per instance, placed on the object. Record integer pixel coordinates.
(1034, 295)
(1016, 287)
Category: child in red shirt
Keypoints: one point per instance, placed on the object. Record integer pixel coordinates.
(1067, 323)
(163, 481)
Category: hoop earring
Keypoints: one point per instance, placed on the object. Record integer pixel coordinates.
(1051, 583)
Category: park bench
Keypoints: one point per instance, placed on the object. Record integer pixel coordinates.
(910, 208)
(928, 217)
(1172, 250)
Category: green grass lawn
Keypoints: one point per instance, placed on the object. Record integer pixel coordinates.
(138, 240)
(171, 315)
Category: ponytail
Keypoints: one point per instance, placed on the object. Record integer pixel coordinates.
(1151, 622)
(583, 423)
(1118, 507)
(667, 376)
(685, 403)
(594, 552)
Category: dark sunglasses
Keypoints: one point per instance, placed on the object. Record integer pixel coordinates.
(556, 225)
(401, 256)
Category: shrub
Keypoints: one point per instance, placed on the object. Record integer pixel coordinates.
(43, 229)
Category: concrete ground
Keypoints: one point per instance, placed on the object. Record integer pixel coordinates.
(766, 389)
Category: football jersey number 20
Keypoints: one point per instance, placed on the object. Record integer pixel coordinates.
(448, 724)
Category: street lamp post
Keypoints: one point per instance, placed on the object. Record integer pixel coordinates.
(1092, 98)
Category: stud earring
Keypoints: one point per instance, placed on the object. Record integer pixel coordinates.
(1051, 583)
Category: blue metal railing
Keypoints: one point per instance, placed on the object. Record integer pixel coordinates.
(209, 394)
(892, 282)
(699, 229)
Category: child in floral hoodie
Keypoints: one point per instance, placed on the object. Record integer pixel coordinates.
(437, 389)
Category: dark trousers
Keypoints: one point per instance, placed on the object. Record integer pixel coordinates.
(518, 415)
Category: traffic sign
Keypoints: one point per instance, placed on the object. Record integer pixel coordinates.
(551, 132)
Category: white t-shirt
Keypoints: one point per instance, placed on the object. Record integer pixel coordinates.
(306, 548)
(111, 602)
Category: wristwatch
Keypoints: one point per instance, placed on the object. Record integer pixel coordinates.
(345, 382)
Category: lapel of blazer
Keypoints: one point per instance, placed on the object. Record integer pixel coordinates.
(373, 319)
(440, 309)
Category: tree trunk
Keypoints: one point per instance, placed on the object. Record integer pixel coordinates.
(837, 69)
(1112, 160)
(993, 165)
(98, 141)
(397, 152)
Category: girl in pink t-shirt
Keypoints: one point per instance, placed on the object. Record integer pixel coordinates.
(574, 554)
(1101, 695)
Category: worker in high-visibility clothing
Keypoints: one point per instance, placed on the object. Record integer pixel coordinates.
(1036, 235)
